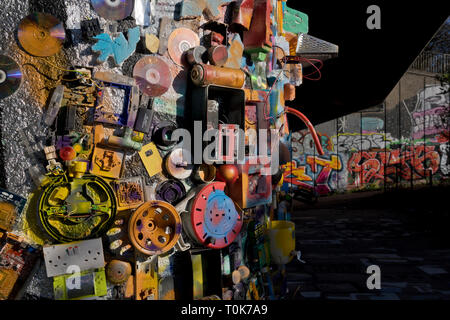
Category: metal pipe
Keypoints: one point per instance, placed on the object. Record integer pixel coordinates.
(123, 142)
(310, 127)
(203, 75)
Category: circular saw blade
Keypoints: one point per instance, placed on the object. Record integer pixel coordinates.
(180, 41)
(10, 76)
(113, 9)
(153, 76)
(41, 34)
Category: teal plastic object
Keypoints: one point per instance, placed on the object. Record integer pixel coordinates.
(119, 48)
(295, 21)
(195, 8)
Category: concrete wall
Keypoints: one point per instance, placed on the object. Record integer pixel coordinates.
(401, 143)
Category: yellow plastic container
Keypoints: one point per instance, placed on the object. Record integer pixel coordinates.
(282, 241)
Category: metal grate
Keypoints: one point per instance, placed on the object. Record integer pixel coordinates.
(432, 62)
(310, 46)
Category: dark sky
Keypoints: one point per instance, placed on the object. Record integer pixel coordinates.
(370, 62)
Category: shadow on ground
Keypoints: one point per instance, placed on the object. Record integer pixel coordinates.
(404, 232)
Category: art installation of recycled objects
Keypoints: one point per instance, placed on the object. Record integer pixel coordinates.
(118, 180)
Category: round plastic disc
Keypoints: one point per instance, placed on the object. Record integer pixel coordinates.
(215, 220)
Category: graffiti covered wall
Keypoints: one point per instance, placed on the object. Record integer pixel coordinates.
(398, 145)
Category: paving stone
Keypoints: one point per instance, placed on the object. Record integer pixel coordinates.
(336, 288)
(396, 269)
(386, 296)
(384, 249)
(395, 284)
(423, 288)
(307, 287)
(391, 290)
(432, 270)
(366, 262)
(344, 268)
(378, 235)
(444, 292)
(298, 277)
(321, 242)
(338, 297)
(296, 218)
(311, 294)
(384, 256)
(387, 261)
(342, 277)
(361, 296)
(425, 297)
(418, 259)
(342, 242)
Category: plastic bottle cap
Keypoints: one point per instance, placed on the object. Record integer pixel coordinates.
(78, 148)
(67, 153)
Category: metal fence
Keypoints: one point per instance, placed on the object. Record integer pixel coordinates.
(432, 62)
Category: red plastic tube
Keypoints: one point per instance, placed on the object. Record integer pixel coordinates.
(310, 127)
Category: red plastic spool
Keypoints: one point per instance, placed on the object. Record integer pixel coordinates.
(215, 221)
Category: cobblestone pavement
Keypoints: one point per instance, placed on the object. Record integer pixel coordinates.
(405, 233)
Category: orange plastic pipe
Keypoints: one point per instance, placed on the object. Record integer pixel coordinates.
(310, 127)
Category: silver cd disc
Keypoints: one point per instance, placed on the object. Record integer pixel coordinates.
(153, 76)
(113, 9)
(10, 76)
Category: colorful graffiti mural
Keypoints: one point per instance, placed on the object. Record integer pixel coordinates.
(445, 160)
(372, 125)
(432, 113)
(411, 145)
(316, 175)
(346, 142)
(416, 162)
(303, 143)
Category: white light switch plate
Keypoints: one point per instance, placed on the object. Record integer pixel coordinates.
(85, 255)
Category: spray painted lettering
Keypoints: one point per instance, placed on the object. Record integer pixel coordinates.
(315, 175)
(431, 115)
(356, 142)
(412, 163)
(303, 143)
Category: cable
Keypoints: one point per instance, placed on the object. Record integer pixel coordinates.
(40, 72)
(311, 62)
(64, 70)
(83, 75)
(310, 127)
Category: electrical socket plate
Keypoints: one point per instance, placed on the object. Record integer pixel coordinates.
(86, 255)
